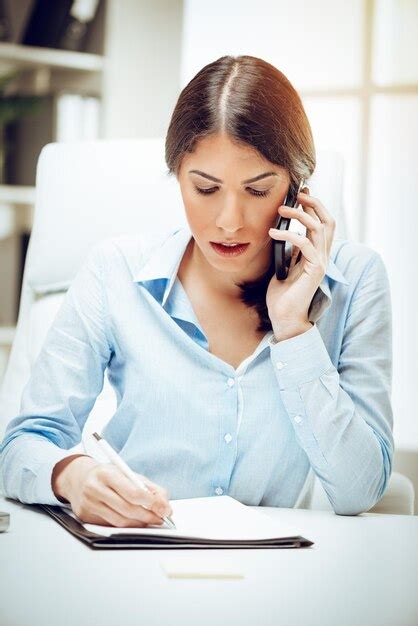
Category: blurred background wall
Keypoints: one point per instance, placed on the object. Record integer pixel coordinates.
(85, 69)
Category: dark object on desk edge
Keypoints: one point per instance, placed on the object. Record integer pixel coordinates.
(160, 542)
(4, 521)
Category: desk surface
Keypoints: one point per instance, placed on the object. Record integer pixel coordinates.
(362, 570)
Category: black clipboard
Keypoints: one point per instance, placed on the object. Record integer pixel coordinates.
(162, 542)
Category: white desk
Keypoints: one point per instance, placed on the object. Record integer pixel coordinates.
(362, 570)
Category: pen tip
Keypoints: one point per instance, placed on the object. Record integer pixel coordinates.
(96, 436)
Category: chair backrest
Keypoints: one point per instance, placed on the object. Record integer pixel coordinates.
(87, 191)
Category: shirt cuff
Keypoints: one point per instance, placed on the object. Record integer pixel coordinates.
(299, 359)
(43, 489)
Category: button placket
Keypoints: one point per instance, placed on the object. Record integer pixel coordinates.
(223, 475)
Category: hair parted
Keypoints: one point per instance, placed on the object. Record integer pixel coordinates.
(253, 103)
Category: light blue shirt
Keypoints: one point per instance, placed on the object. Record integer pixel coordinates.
(315, 404)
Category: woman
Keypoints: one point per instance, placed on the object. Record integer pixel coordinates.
(228, 380)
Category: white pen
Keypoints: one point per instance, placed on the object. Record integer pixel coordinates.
(113, 456)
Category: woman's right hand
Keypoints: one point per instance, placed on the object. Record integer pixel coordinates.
(99, 493)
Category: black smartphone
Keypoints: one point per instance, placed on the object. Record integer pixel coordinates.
(283, 249)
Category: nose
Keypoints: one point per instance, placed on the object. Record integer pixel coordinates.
(229, 218)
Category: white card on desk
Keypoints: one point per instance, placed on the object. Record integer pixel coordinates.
(204, 565)
(216, 517)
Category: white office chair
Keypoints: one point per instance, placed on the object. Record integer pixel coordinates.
(91, 190)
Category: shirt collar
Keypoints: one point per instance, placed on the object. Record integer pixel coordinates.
(164, 261)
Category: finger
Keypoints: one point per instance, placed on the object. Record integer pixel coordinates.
(315, 230)
(310, 211)
(132, 493)
(330, 225)
(308, 200)
(105, 494)
(309, 251)
(155, 488)
(312, 223)
(128, 511)
(113, 518)
(307, 209)
(160, 491)
(329, 229)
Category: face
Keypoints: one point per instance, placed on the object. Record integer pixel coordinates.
(232, 193)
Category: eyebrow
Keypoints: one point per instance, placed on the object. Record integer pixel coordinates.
(217, 180)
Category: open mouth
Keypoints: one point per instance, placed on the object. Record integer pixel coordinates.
(229, 250)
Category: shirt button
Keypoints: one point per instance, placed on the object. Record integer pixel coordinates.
(280, 365)
(219, 491)
(231, 382)
(297, 419)
(228, 437)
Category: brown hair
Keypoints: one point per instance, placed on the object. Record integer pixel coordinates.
(254, 103)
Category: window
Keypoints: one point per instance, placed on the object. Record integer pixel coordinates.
(355, 66)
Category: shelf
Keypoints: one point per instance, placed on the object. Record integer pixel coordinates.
(17, 194)
(7, 334)
(21, 56)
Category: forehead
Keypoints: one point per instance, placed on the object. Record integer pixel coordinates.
(215, 153)
(222, 146)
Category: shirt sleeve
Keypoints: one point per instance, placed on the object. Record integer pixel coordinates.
(66, 378)
(343, 417)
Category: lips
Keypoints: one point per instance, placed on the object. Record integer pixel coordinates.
(228, 250)
(230, 243)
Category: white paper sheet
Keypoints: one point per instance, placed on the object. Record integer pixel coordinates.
(217, 517)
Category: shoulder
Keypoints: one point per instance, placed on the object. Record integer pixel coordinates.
(356, 260)
(129, 251)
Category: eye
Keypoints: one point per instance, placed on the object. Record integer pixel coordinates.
(205, 191)
(254, 192)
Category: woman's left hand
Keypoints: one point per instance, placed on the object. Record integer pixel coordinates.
(288, 300)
